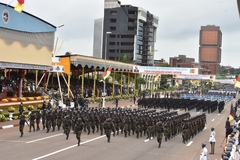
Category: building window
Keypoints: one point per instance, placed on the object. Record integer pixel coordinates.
(126, 44)
(127, 36)
(113, 13)
(131, 28)
(131, 12)
(113, 28)
(112, 43)
(112, 36)
(113, 20)
(111, 50)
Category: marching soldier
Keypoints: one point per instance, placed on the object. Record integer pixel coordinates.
(108, 125)
(48, 120)
(31, 119)
(160, 131)
(78, 129)
(67, 126)
(44, 118)
(38, 117)
(22, 123)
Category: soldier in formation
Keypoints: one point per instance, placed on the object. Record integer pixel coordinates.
(22, 123)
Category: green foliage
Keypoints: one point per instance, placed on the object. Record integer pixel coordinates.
(126, 59)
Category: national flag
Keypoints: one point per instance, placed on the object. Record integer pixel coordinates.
(237, 84)
(176, 83)
(20, 6)
(232, 113)
(156, 78)
(107, 73)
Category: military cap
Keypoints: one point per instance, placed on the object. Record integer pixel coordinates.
(203, 144)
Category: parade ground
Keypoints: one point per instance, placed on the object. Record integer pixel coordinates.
(54, 146)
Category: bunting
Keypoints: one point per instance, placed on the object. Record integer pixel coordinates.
(20, 6)
(107, 73)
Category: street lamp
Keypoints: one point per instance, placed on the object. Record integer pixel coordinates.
(104, 83)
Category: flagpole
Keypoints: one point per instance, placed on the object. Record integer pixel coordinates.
(104, 81)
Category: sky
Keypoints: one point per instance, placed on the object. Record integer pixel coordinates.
(178, 29)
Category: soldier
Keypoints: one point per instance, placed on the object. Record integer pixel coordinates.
(44, 104)
(108, 125)
(212, 140)
(160, 131)
(21, 108)
(116, 102)
(203, 152)
(38, 117)
(44, 118)
(185, 131)
(54, 120)
(48, 120)
(67, 126)
(32, 117)
(134, 99)
(78, 129)
(22, 123)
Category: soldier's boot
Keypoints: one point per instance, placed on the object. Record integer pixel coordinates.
(159, 145)
(165, 139)
(78, 142)
(21, 134)
(67, 136)
(108, 140)
(47, 130)
(53, 129)
(126, 135)
(58, 127)
(43, 127)
(137, 135)
(88, 132)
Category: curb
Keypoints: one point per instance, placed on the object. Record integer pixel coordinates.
(16, 125)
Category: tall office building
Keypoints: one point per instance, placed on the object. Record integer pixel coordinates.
(210, 48)
(127, 30)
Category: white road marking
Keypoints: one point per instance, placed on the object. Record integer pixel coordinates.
(213, 119)
(44, 138)
(189, 143)
(61, 150)
(8, 126)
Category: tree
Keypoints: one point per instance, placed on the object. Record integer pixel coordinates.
(126, 59)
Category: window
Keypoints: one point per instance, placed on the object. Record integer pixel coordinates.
(112, 43)
(113, 28)
(112, 36)
(113, 20)
(127, 36)
(111, 50)
(131, 12)
(113, 13)
(131, 28)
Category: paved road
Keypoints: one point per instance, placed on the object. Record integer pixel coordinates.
(54, 146)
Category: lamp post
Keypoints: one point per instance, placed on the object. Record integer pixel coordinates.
(104, 83)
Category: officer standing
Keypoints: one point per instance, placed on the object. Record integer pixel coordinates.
(160, 131)
(22, 123)
(212, 140)
(78, 129)
(203, 152)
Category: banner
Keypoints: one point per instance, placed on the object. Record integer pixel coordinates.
(199, 77)
(57, 68)
(165, 70)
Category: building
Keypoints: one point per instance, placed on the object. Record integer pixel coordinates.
(181, 61)
(160, 62)
(127, 30)
(210, 48)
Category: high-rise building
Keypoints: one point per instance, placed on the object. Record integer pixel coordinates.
(127, 30)
(210, 48)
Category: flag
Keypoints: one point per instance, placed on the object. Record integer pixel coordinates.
(176, 83)
(156, 78)
(107, 73)
(20, 6)
(232, 113)
(191, 81)
(237, 84)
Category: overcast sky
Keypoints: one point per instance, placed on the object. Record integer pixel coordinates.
(178, 29)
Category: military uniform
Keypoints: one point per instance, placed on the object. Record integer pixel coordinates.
(203, 152)
(78, 129)
(21, 124)
(32, 118)
(160, 131)
(108, 125)
(212, 140)
(38, 118)
(67, 126)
